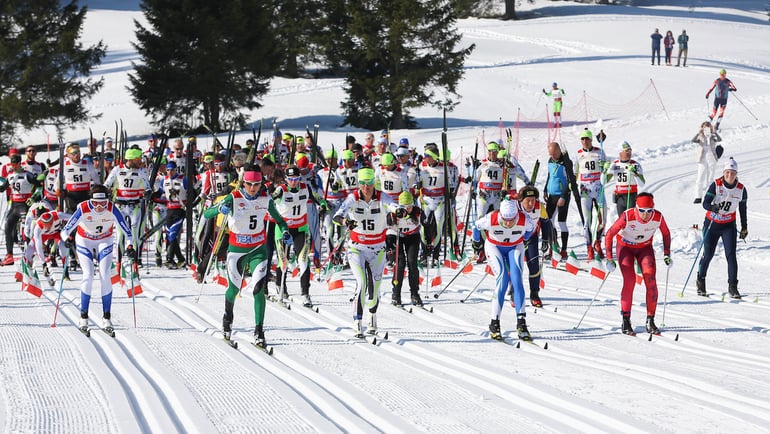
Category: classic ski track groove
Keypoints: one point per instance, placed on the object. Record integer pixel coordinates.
(470, 373)
(149, 410)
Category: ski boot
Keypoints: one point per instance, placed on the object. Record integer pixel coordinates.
(227, 320)
(590, 253)
(306, 300)
(107, 321)
(8, 260)
(732, 288)
(372, 329)
(598, 249)
(83, 321)
(54, 264)
(357, 329)
(494, 330)
(651, 327)
(159, 261)
(481, 257)
(563, 253)
(521, 328)
(259, 337)
(416, 300)
(534, 299)
(627, 328)
(395, 299)
(701, 285)
(171, 265)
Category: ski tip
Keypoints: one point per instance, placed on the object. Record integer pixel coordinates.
(386, 335)
(545, 347)
(518, 344)
(288, 306)
(374, 341)
(410, 310)
(431, 309)
(555, 309)
(676, 338)
(650, 338)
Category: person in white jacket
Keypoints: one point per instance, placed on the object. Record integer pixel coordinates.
(707, 156)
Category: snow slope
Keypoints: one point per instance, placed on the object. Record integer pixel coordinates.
(439, 371)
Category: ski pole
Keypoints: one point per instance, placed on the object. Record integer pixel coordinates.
(134, 270)
(703, 241)
(665, 301)
(744, 106)
(592, 302)
(61, 284)
(474, 288)
(395, 263)
(460, 271)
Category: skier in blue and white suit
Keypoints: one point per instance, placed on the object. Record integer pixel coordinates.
(94, 220)
(506, 231)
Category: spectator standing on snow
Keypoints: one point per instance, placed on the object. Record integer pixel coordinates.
(724, 197)
(708, 155)
(557, 197)
(635, 229)
(668, 44)
(506, 231)
(722, 86)
(656, 38)
(626, 172)
(682, 40)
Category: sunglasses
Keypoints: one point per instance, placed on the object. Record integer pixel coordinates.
(251, 184)
(31, 150)
(369, 182)
(292, 178)
(74, 152)
(646, 210)
(219, 163)
(585, 138)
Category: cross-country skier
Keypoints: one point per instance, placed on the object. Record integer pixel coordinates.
(724, 199)
(722, 86)
(529, 200)
(407, 222)
(506, 231)
(557, 94)
(365, 214)
(591, 163)
(634, 230)
(246, 210)
(627, 174)
(94, 220)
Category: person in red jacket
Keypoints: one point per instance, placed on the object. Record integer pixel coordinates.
(634, 230)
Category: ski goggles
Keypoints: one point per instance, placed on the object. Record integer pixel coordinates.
(252, 183)
(366, 182)
(645, 210)
(99, 203)
(292, 178)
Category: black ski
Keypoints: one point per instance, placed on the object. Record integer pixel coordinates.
(231, 343)
(109, 331)
(85, 330)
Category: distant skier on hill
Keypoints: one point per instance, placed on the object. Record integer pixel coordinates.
(721, 87)
(557, 95)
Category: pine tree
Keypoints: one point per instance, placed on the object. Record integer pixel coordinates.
(202, 61)
(45, 69)
(403, 55)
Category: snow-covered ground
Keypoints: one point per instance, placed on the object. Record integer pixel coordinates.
(440, 371)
